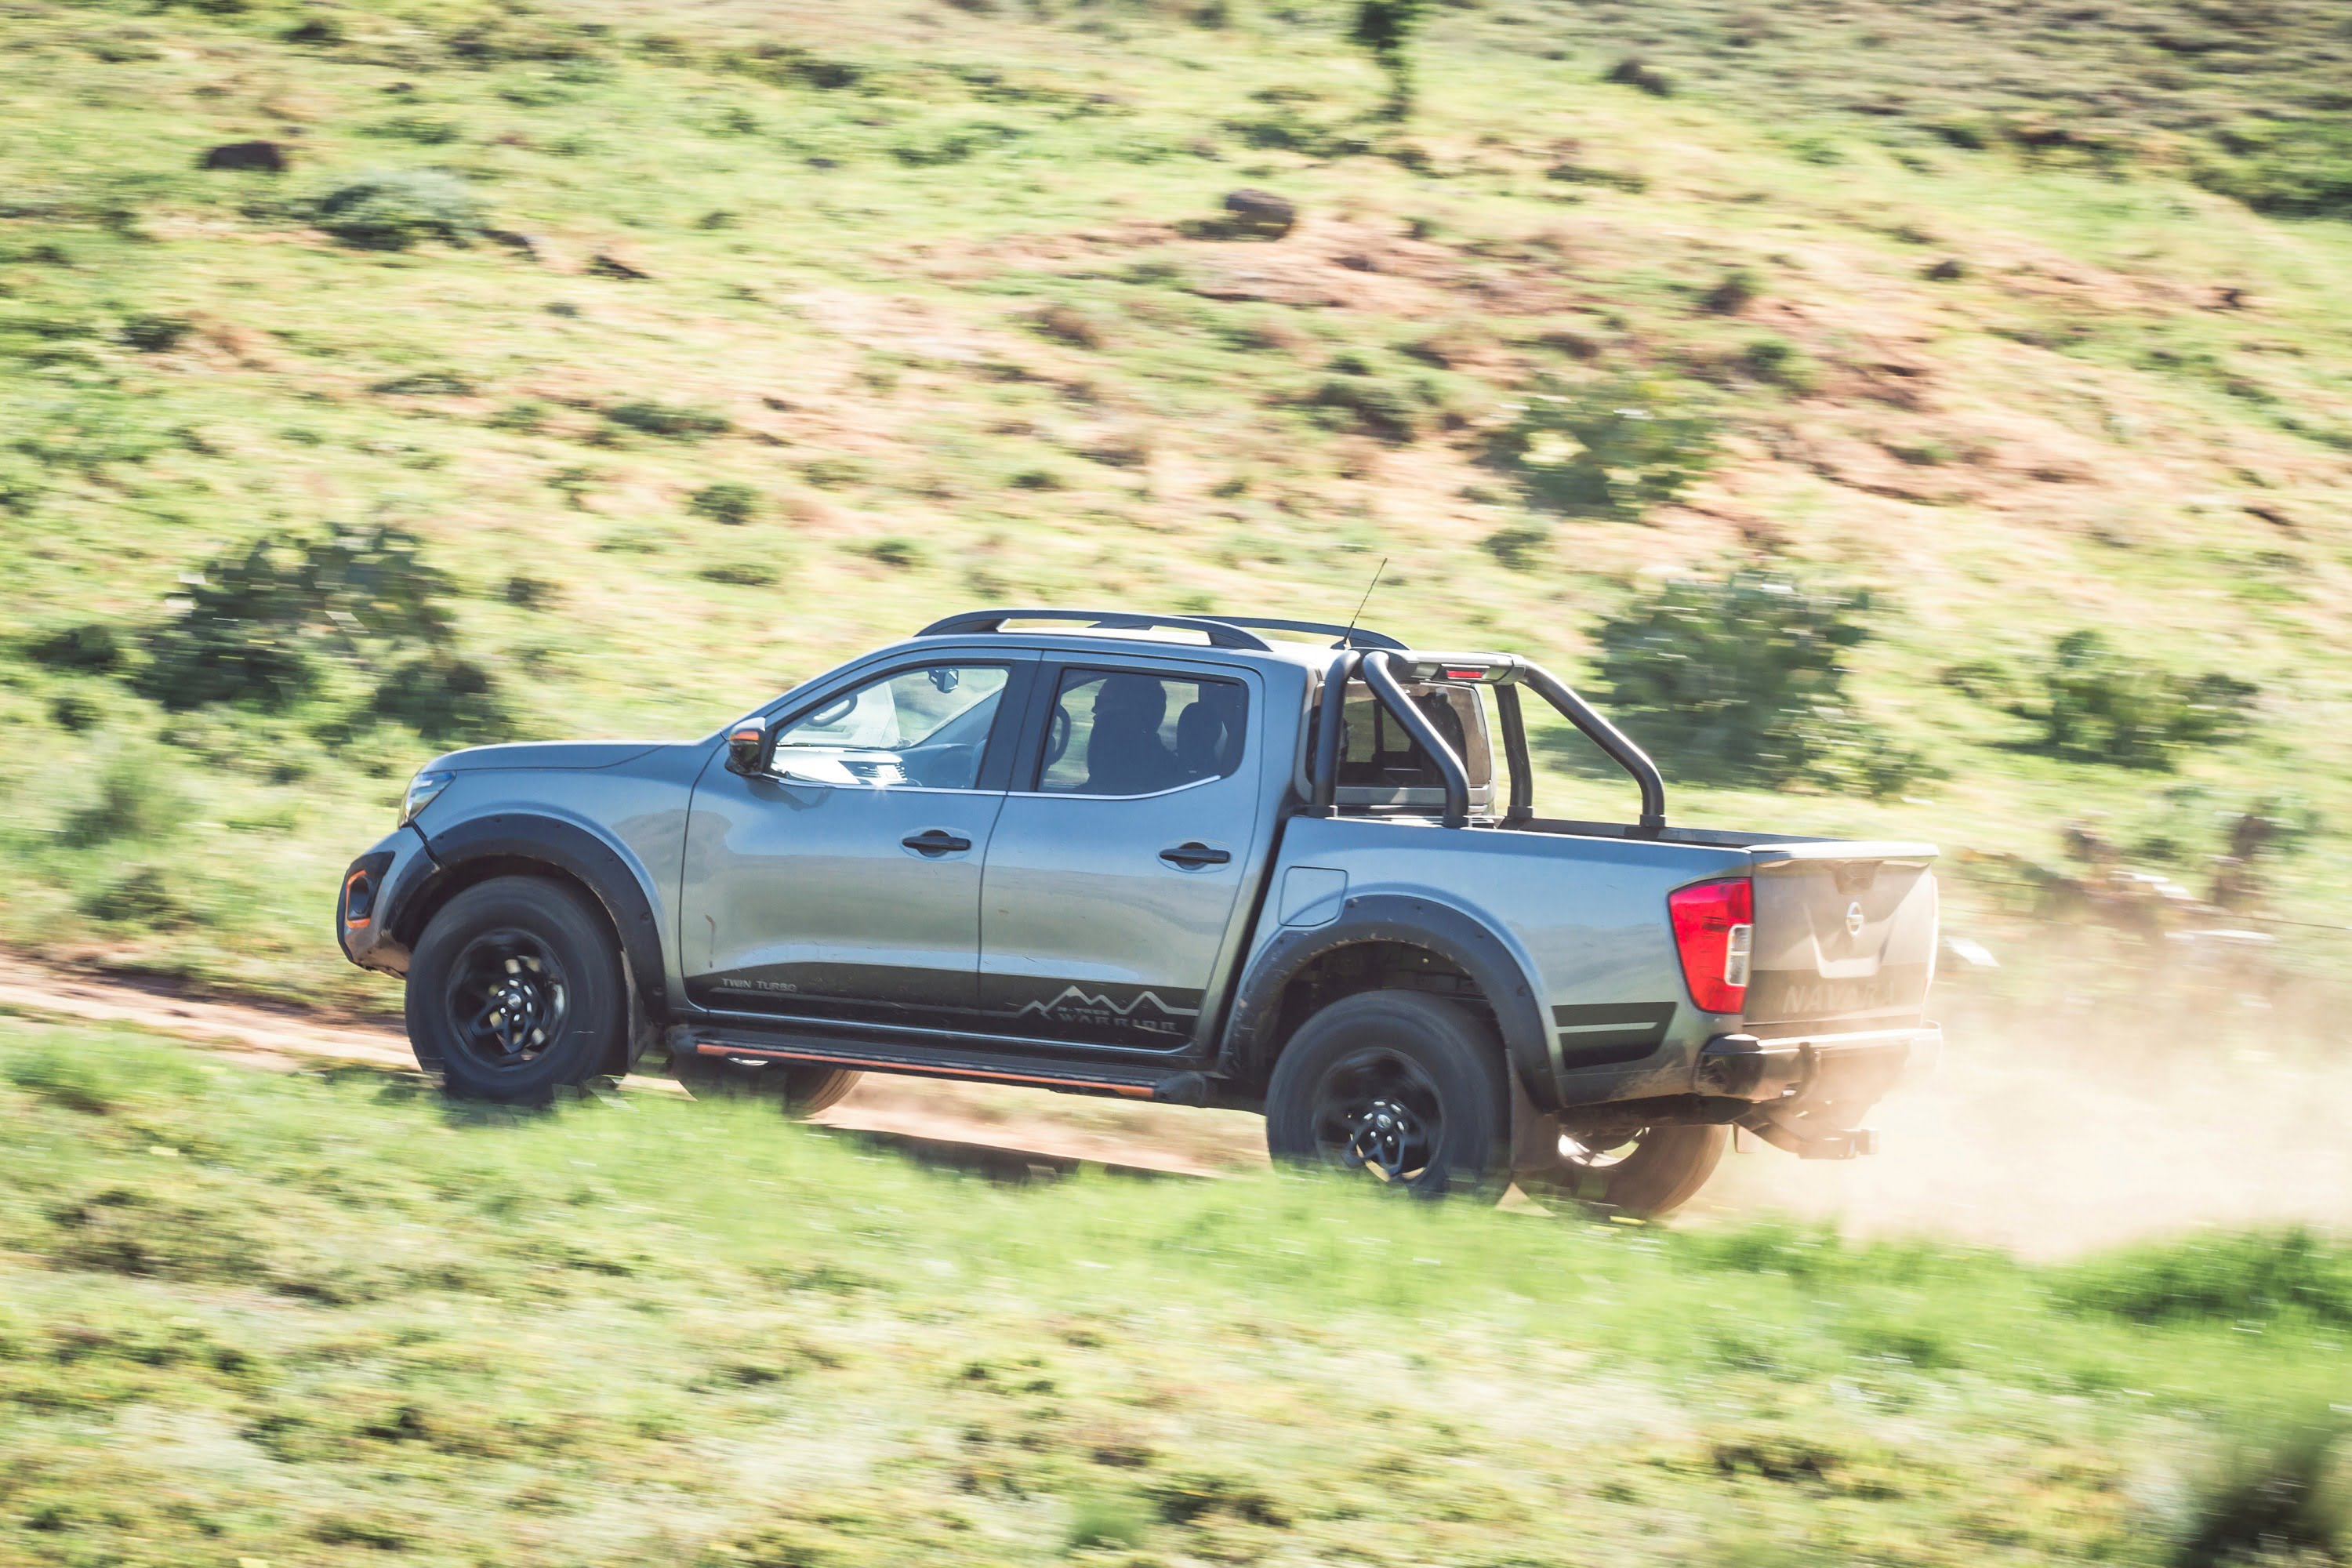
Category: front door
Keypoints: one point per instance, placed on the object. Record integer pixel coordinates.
(1119, 854)
(844, 883)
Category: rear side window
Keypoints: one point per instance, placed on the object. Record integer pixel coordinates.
(1127, 732)
(1379, 761)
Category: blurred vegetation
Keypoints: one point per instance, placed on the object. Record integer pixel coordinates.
(1743, 678)
(2099, 704)
(501, 1344)
(690, 350)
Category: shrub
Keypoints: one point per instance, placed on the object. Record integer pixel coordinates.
(899, 551)
(2299, 170)
(677, 421)
(1742, 679)
(155, 334)
(2274, 1497)
(2098, 704)
(1520, 546)
(2249, 1278)
(1605, 448)
(441, 696)
(728, 501)
(1633, 72)
(394, 209)
(143, 896)
(422, 129)
(92, 646)
(1732, 293)
(258, 624)
(136, 799)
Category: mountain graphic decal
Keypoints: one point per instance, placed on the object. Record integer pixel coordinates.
(1074, 998)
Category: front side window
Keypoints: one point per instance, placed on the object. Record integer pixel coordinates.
(1123, 732)
(921, 728)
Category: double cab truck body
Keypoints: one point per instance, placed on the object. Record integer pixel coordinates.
(1211, 860)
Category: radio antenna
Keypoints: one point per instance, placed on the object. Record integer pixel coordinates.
(1367, 599)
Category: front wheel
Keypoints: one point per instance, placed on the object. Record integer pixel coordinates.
(1645, 1174)
(515, 990)
(1402, 1086)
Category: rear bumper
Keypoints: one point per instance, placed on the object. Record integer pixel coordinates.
(1816, 1072)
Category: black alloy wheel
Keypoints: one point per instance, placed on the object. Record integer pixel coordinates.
(516, 990)
(1377, 1111)
(1401, 1086)
(508, 999)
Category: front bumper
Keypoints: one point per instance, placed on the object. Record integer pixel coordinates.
(1817, 1072)
(369, 900)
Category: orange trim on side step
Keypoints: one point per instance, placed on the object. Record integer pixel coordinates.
(1130, 1090)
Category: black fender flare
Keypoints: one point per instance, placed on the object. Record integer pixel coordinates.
(565, 846)
(1454, 934)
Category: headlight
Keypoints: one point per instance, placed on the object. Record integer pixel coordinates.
(421, 791)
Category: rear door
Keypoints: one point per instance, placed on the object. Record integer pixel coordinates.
(1846, 938)
(1120, 853)
(844, 882)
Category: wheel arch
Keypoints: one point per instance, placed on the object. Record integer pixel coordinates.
(507, 844)
(1266, 1002)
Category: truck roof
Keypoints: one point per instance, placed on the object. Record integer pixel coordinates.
(1310, 643)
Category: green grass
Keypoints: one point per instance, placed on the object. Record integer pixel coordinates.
(328, 1318)
(932, 286)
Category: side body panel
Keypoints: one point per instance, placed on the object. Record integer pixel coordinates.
(1089, 936)
(1582, 921)
(621, 829)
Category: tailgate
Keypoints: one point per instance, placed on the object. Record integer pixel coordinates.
(1846, 937)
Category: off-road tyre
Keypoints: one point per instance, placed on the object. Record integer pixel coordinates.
(1664, 1169)
(1433, 1068)
(802, 1090)
(516, 990)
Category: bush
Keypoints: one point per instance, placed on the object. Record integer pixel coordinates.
(2274, 1497)
(394, 209)
(1612, 448)
(259, 625)
(2097, 704)
(137, 799)
(728, 501)
(443, 697)
(2296, 171)
(1742, 679)
(2252, 1278)
(92, 646)
(155, 334)
(677, 421)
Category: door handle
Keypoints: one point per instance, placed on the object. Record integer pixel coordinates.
(1194, 856)
(936, 841)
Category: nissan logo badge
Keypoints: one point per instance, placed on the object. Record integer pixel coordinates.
(1853, 918)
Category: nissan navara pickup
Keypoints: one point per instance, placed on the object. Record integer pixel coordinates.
(1210, 860)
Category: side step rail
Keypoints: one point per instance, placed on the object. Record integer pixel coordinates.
(1069, 1077)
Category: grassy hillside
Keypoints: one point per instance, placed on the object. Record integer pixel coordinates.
(685, 350)
(329, 1319)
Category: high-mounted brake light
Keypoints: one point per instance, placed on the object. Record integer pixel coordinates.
(1715, 931)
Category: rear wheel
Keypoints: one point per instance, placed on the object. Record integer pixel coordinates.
(515, 990)
(1646, 1174)
(803, 1089)
(1404, 1088)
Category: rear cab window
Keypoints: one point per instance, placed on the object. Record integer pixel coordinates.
(1138, 733)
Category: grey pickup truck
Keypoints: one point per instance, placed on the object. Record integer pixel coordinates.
(1210, 860)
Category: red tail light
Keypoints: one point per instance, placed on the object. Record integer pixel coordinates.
(1715, 926)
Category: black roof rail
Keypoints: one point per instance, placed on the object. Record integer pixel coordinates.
(1342, 636)
(1219, 633)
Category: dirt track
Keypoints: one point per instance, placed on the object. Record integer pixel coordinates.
(2043, 1146)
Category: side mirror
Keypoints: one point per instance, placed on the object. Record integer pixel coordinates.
(747, 745)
